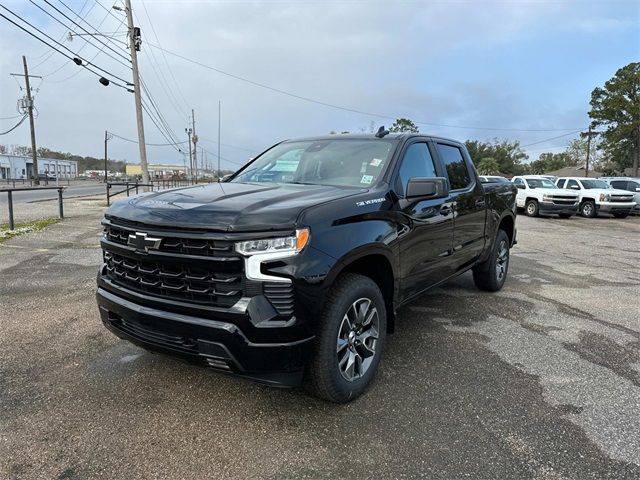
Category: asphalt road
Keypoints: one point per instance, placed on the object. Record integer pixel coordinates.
(540, 380)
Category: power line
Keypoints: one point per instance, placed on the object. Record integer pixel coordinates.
(72, 30)
(549, 139)
(153, 29)
(347, 109)
(148, 144)
(50, 52)
(157, 110)
(60, 52)
(15, 126)
(11, 118)
(84, 29)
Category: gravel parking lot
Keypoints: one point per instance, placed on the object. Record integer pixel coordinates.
(541, 380)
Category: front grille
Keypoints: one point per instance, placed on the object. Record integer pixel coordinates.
(177, 281)
(281, 297)
(183, 246)
(621, 198)
(186, 266)
(564, 200)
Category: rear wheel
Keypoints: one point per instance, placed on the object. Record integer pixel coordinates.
(531, 209)
(349, 340)
(491, 274)
(588, 209)
(620, 215)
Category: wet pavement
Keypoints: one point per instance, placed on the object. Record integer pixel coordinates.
(540, 380)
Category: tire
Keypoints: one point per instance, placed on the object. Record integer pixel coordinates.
(620, 215)
(334, 372)
(531, 208)
(491, 274)
(588, 209)
(565, 215)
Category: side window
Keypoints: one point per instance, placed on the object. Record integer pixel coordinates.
(518, 181)
(417, 162)
(560, 183)
(572, 184)
(456, 166)
(621, 184)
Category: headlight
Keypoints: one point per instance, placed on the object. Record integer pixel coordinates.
(547, 198)
(293, 244)
(604, 197)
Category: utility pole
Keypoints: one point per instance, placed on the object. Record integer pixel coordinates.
(589, 134)
(134, 46)
(188, 132)
(219, 103)
(194, 138)
(107, 137)
(29, 106)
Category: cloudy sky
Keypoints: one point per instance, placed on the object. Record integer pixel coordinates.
(464, 69)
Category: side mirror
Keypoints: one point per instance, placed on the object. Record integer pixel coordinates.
(574, 187)
(427, 187)
(520, 186)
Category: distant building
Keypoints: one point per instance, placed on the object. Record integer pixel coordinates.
(21, 167)
(155, 171)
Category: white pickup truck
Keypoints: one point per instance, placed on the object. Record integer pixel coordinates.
(538, 195)
(596, 196)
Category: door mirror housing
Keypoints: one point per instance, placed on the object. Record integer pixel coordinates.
(574, 187)
(520, 186)
(427, 187)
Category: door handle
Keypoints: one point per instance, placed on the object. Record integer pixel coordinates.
(445, 210)
(480, 203)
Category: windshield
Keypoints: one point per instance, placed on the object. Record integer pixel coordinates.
(588, 184)
(343, 162)
(540, 183)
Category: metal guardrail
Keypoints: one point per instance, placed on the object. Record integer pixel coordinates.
(129, 186)
(9, 192)
(29, 181)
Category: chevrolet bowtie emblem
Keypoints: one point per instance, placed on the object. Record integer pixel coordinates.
(143, 243)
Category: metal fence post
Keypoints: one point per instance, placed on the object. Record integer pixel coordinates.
(10, 200)
(108, 198)
(60, 207)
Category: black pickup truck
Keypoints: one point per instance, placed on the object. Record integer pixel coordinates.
(290, 272)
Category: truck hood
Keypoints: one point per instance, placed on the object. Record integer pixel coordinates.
(556, 191)
(605, 191)
(228, 207)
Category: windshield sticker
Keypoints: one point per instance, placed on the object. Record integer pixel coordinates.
(366, 179)
(376, 162)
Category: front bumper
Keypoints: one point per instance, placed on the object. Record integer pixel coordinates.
(218, 344)
(544, 207)
(611, 207)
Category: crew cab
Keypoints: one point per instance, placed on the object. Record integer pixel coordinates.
(538, 195)
(628, 185)
(596, 197)
(291, 271)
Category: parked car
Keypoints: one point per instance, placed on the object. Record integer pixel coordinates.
(596, 197)
(493, 179)
(292, 270)
(629, 185)
(538, 195)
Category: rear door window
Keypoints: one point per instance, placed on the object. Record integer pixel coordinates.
(457, 170)
(572, 183)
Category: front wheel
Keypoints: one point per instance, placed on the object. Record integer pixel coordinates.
(531, 208)
(491, 274)
(349, 340)
(588, 209)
